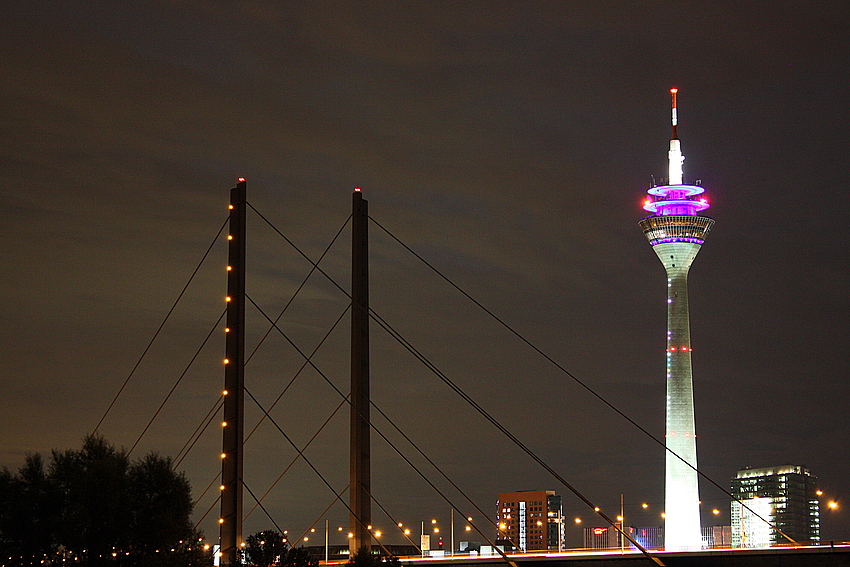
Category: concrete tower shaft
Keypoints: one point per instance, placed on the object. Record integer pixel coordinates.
(682, 523)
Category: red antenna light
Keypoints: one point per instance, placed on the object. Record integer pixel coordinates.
(357, 189)
(673, 92)
(241, 180)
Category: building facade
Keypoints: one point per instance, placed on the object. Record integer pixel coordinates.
(773, 501)
(530, 520)
(676, 232)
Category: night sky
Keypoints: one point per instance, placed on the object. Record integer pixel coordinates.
(508, 143)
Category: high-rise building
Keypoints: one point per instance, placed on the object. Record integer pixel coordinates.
(531, 520)
(784, 496)
(676, 232)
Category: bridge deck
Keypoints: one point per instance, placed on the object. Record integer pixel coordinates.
(809, 556)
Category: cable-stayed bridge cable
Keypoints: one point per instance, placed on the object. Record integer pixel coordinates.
(376, 429)
(176, 383)
(295, 459)
(263, 508)
(460, 392)
(220, 401)
(336, 498)
(393, 520)
(496, 423)
(313, 268)
(207, 513)
(306, 460)
(199, 431)
(159, 329)
(297, 373)
(572, 376)
(205, 422)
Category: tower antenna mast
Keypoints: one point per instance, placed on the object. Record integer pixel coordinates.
(675, 156)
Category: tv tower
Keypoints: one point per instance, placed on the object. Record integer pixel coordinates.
(676, 232)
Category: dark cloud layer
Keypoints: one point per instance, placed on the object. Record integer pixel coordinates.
(508, 143)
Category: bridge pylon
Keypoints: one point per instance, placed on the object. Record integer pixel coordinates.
(230, 521)
(360, 488)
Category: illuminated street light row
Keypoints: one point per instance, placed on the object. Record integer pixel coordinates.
(832, 505)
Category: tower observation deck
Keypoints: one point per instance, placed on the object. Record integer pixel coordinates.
(676, 232)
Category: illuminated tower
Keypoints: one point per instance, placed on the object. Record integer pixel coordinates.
(676, 231)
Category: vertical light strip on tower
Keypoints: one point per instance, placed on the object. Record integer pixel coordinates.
(233, 425)
(676, 232)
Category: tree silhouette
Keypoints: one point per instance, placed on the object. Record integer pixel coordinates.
(160, 505)
(94, 507)
(365, 558)
(91, 486)
(269, 547)
(264, 548)
(298, 557)
(26, 518)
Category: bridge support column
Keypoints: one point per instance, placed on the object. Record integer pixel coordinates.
(360, 477)
(234, 384)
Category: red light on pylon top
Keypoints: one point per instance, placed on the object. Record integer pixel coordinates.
(357, 189)
(241, 180)
(674, 91)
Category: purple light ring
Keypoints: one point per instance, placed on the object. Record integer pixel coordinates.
(697, 206)
(676, 239)
(663, 190)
